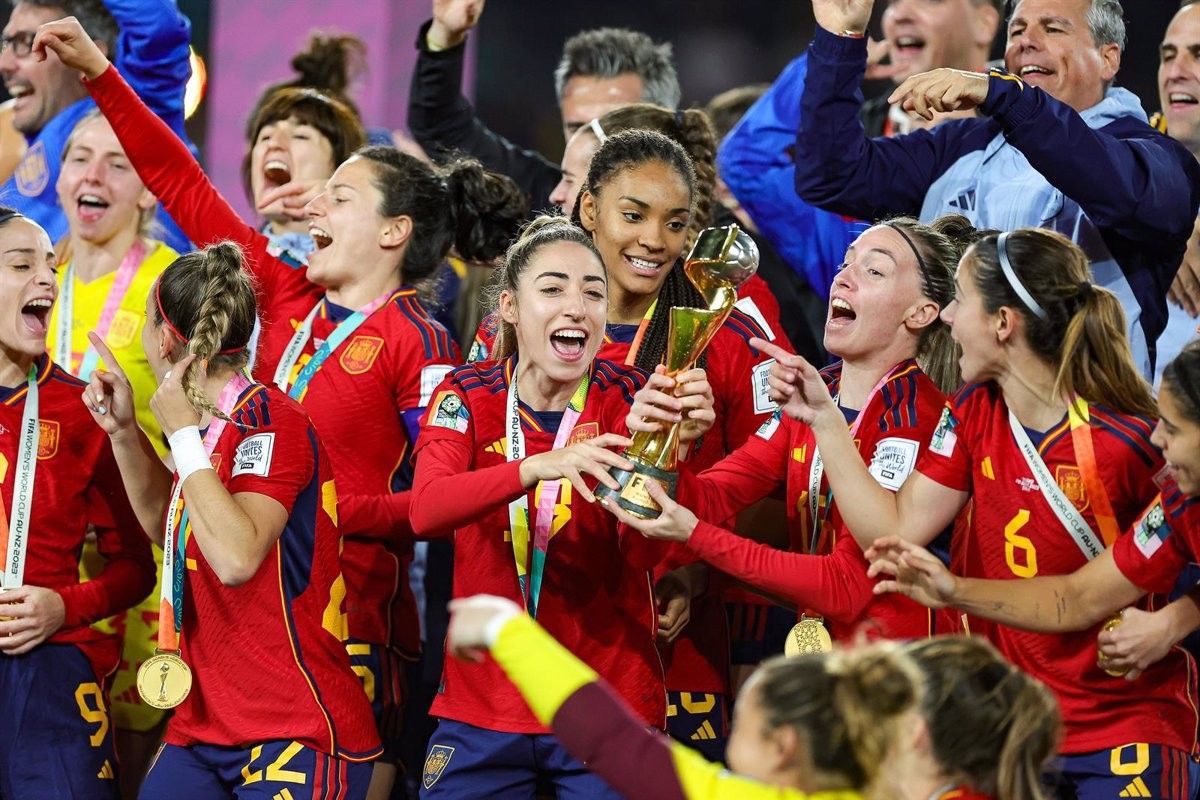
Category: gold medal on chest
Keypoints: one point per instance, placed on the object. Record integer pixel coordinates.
(809, 635)
(163, 680)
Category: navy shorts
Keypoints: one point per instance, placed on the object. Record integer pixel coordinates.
(469, 763)
(275, 770)
(1133, 770)
(56, 740)
(384, 675)
(700, 721)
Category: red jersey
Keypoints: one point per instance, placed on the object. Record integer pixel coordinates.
(365, 400)
(76, 484)
(896, 423)
(592, 601)
(1162, 542)
(269, 655)
(1013, 533)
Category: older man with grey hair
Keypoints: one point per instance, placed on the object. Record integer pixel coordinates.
(600, 70)
(1054, 145)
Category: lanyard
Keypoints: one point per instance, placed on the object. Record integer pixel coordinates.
(291, 353)
(817, 472)
(14, 537)
(546, 492)
(64, 335)
(1070, 517)
(170, 607)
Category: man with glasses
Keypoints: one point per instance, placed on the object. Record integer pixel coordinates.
(150, 41)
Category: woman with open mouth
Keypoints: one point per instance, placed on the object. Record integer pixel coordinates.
(503, 465)
(106, 268)
(1050, 437)
(58, 483)
(347, 335)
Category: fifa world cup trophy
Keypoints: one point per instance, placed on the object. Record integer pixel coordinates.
(721, 260)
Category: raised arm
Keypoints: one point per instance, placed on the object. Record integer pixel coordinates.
(152, 53)
(441, 119)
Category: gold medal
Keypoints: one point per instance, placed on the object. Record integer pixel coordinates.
(809, 635)
(163, 680)
(1102, 661)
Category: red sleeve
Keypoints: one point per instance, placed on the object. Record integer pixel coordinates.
(738, 375)
(276, 460)
(170, 172)
(1154, 552)
(834, 585)
(129, 570)
(376, 516)
(447, 494)
(946, 459)
(742, 478)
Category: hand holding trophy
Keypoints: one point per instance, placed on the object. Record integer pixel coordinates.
(721, 260)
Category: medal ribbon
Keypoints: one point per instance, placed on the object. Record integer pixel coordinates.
(1085, 454)
(170, 606)
(530, 579)
(817, 472)
(1070, 517)
(291, 353)
(643, 326)
(112, 302)
(14, 538)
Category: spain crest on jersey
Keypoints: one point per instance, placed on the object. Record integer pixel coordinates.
(124, 329)
(47, 439)
(435, 764)
(360, 354)
(1070, 480)
(31, 174)
(583, 433)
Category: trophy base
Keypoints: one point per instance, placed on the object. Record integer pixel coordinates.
(634, 497)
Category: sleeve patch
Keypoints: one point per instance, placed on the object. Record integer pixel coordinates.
(449, 412)
(944, 438)
(253, 455)
(761, 388)
(750, 308)
(1151, 530)
(768, 428)
(894, 459)
(431, 377)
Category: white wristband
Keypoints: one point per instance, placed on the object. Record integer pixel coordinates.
(491, 632)
(188, 451)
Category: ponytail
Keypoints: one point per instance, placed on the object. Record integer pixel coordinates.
(207, 300)
(1072, 324)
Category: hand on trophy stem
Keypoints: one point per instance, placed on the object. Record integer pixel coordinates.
(675, 523)
(572, 463)
(912, 571)
(665, 400)
(797, 386)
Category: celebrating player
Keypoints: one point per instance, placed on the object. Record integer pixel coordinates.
(348, 336)
(882, 320)
(57, 478)
(501, 462)
(253, 590)
(1051, 437)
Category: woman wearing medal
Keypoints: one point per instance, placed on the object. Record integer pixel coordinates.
(57, 480)
(107, 266)
(501, 464)
(883, 324)
(348, 335)
(251, 617)
(1051, 438)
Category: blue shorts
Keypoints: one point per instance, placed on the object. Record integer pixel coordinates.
(469, 763)
(1133, 770)
(275, 770)
(383, 673)
(56, 739)
(700, 721)
(757, 631)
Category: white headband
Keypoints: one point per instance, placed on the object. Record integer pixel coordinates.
(596, 129)
(1011, 275)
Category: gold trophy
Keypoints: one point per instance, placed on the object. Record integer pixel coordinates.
(721, 260)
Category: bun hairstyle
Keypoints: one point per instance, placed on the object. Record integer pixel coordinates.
(938, 246)
(988, 721)
(460, 205)
(539, 233)
(1072, 324)
(1182, 377)
(628, 150)
(691, 130)
(849, 705)
(206, 299)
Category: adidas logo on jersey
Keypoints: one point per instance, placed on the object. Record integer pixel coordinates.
(704, 733)
(106, 771)
(1136, 788)
(285, 794)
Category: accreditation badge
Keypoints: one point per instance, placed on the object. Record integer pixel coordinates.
(164, 680)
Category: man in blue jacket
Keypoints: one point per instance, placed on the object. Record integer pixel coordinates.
(1057, 146)
(150, 39)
